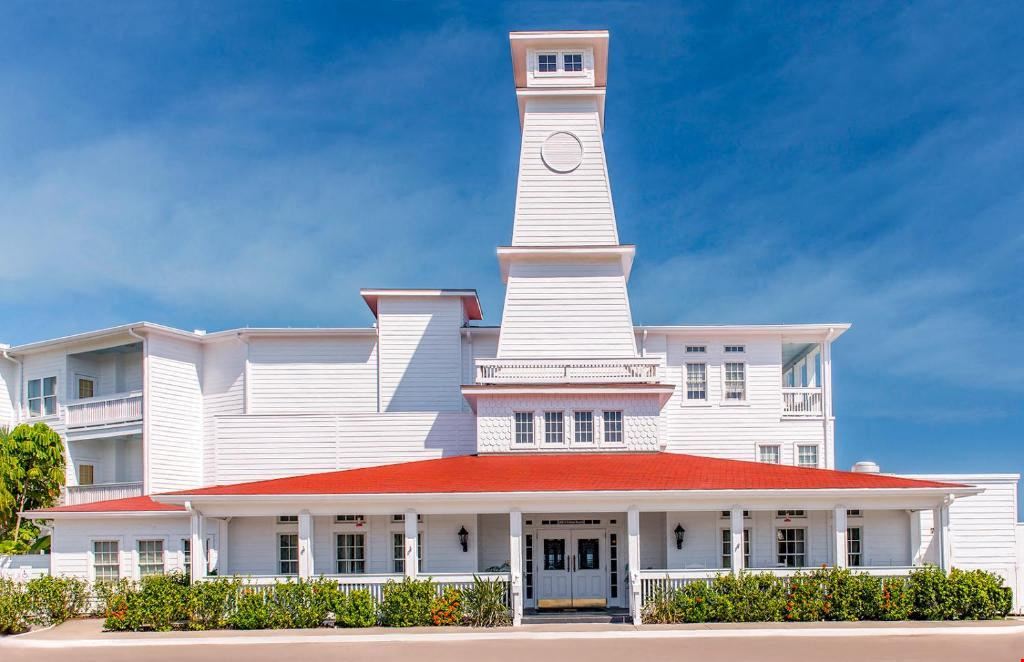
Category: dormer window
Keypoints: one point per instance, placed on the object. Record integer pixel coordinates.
(547, 63)
(572, 61)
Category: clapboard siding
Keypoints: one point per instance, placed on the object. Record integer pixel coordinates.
(313, 375)
(71, 551)
(257, 447)
(8, 392)
(559, 209)
(223, 393)
(175, 414)
(566, 310)
(420, 353)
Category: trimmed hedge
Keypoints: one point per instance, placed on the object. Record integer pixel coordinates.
(42, 601)
(831, 594)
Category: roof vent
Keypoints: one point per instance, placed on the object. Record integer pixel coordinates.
(200, 332)
(865, 467)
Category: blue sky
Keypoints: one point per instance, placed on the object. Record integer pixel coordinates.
(211, 165)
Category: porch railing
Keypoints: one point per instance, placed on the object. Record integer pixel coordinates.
(567, 371)
(801, 402)
(104, 410)
(79, 494)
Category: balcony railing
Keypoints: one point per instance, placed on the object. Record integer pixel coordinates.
(801, 402)
(79, 494)
(567, 371)
(104, 410)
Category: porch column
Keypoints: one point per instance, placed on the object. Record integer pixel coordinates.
(197, 546)
(412, 557)
(305, 545)
(633, 561)
(943, 543)
(736, 542)
(916, 553)
(515, 541)
(839, 533)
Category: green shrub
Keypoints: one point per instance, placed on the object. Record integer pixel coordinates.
(211, 602)
(253, 610)
(56, 599)
(446, 609)
(750, 597)
(355, 609)
(302, 604)
(978, 595)
(407, 603)
(484, 604)
(14, 607)
(896, 602)
(119, 605)
(163, 600)
(930, 593)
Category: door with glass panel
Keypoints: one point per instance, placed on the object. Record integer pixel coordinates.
(554, 576)
(571, 573)
(588, 578)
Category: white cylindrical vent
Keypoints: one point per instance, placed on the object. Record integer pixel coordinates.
(866, 467)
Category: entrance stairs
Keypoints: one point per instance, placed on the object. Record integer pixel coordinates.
(574, 616)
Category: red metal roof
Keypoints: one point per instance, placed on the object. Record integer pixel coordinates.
(129, 505)
(565, 472)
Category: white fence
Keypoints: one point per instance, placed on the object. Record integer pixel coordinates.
(104, 410)
(801, 402)
(566, 371)
(23, 567)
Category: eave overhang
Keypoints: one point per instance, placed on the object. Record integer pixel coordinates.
(470, 300)
(472, 392)
(508, 254)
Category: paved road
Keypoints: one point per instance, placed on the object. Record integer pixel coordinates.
(926, 648)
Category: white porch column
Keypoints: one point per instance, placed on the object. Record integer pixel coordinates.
(916, 552)
(515, 541)
(839, 533)
(633, 560)
(305, 545)
(197, 546)
(736, 535)
(943, 542)
(412, 557)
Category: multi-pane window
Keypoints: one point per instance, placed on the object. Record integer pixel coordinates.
(105, 563)
(696, 381)
(807, 456)
(547, 62)
(287, 519)
(583, 427)
(398, 546)
(151, 557)
(86, 474)
(349, 518)
(782, 514)
(524, 427)
(351, 553)
(573, 61)
(726, 514)
(789, 547)
(854, 546)
(288, 554)
(735, 349)
(727, 548)
(186, 555)
(86, 387)
(401, 518)
(612, 427)
(854, 513)
(735, 381)
(42, 396)
(769, 453)
(696, 349)
(554, 427)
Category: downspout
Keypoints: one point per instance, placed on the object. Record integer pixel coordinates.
(826, 392)
(21, 379)
(146, 481)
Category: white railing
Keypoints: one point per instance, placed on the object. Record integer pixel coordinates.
(104, 410)
(801, 402)
(78, 494)
(567, 371)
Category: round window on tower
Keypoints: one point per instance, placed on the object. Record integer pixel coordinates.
(562, 152)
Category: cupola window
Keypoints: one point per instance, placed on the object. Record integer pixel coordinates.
(573, 61)
(547, 63)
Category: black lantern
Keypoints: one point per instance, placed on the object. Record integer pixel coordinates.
(464, 539)
(680, 534)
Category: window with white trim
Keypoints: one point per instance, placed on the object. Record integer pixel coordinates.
(151, 557)
(86, 386)
(572, 62)
(343, 519)
(790, 547)
(398, 546)
(42, 396)
(807, 456)
(783, 514)
(287, 519)
(186, 555)
(547, 63)
(854, 513)
(736, 381)
(612, 427)
(86, 474)
(696, 382)
(735, 349)
(696, 349)
(523, 427)
(106, 564)
(351, 549)
(554, 427)
(583, 427)
(769, 454)
(401, 518)
(727, 514)
(288, 554)
(854, 546)
(727, 548)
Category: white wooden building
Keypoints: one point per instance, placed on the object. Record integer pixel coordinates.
(579, 457)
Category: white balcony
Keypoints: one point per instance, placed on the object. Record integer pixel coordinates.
(79, 494)
(104, 411)
(567, 371)
(801, 402)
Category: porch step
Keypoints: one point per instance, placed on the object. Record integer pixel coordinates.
(571, 616)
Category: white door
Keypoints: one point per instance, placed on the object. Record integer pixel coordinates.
(588, 571)
(554, 576)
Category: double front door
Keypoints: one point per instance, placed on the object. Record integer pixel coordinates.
(571, 572)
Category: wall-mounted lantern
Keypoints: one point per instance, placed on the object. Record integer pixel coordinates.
(464, 539)
(680, 534)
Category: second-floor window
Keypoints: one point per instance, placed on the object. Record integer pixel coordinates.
(42, 396)
(523, 427)
(613, 427)
(807, 456)
(573, 61)
(583, 427)
(696, 381)
(547, 63)
(769, 453)
(735, 381)
(554, 427)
